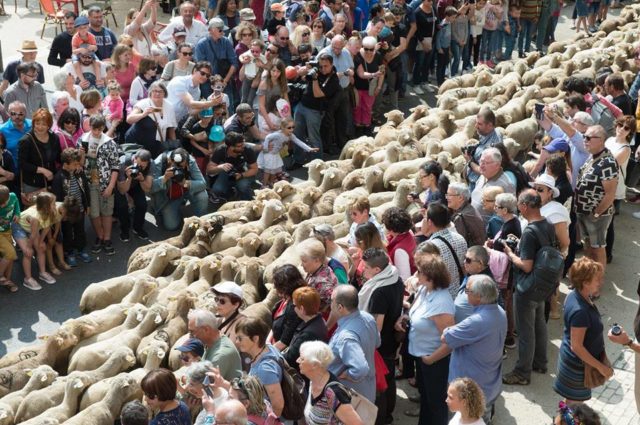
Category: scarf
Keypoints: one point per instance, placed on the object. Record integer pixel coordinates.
(386, 277)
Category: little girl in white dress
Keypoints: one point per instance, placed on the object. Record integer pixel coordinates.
(269, 159)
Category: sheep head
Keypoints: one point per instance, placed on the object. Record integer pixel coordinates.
(266, 194)
(373, 179)
(155, 352)
(229, 268)
(332, 178)
(81, 328)
(299, 211)
(444, 159)
(209, 268)
(250, 243)
(121, 358)
(314, 169)
(42, 375)
(394, 117)
(61, 340)
(284, 189)
(135, 314)
(360, 155)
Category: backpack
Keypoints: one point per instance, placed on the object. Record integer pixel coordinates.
(522, 177)
(292, 386)
(546, 274)
(603, 116)
(337, 265)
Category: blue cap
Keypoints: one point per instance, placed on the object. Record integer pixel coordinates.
(557, 145)
(216, 134)
(206, 112)
(80, 21)
(385, 33)
(192, 345)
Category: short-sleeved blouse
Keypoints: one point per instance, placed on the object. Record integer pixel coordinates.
(424, 336)
(178, 416)
(580, 314)
(267, 368)
(321, 410)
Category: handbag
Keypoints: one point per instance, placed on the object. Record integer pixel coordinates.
(167, 145)
(592, 376)
(292, 386)
(362, 405)
(381, 372)
(29, 198)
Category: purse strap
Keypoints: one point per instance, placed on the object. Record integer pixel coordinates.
(453, 253)
(155, 122)
(35, 145)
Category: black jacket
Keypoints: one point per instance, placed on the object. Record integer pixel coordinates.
(285, 325)
(33, 154)
(60, 49)
(313, 330)
(61, 182)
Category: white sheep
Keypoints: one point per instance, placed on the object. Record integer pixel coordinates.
(67, 408)
(41, 377)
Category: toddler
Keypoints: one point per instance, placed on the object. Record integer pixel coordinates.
(493, 17)
(269, 159)
(466, 399)
(9, 214)
(84, 43)
(512, 29)
(67, 210)
(113, 105)
(443, 43)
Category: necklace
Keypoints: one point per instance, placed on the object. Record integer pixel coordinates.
(258, 355)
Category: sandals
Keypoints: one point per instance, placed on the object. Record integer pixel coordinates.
(56, 271)
(11, 287)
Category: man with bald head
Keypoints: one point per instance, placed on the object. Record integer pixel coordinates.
(338, 119)
(285, 46)
(354, 343)
(231, 412)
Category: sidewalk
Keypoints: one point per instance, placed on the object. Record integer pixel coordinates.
(615, 401)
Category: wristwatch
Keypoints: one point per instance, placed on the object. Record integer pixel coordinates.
(628, 344)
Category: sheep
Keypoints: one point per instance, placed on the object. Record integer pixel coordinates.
(390, 153)
(38, 401)
(143, 285)
(41, 377)
(405, 187)
(67, 408)
(154, 260)
(250, 280)
(15, 377)
(107, 410)
(247, 246)
(349, 148)
(281, 242)
(87, 357)
(191, 267)
(20, 355)
(324, 205)
(273, 212)
(251, 210)
(523, 132)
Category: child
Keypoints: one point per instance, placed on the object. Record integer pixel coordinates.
(477, 25)
(9, 213)
(274, 106)
(196, 130)
(576, 414)
(84, 43)
(465, 397)
(443, 43)
(113, 105)
(252, 61)
(30, 233)
(493, 17)
(459, 37)
(512, 29)
(269, 159)
(70, 181)
(101, 167)
(69, 210)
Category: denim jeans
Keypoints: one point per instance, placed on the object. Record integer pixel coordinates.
(458, 52)
(432, 385)
(486, 45)
(139, 209)
(223, 185)
(441, 66)
(308, 122)
(524, 41)
(510, 39)
(171, 215)
(421, 66)
(475, 48)
(532, 335)
(543, 26)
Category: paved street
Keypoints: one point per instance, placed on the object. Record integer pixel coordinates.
(27, 315)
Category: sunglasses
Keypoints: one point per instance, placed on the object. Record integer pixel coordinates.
(16, 114)
(540, 189)
(625, 127)
(220, 300)
(290, 128)
(284, 38)
(187, 53)
(246, 34)
(204, 74)
(468, 260)
(367, 49)
(306, 34)
(588, 138)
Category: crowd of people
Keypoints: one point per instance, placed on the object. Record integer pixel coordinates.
(197, 110)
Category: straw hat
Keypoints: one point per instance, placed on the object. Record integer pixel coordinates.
(28, 46)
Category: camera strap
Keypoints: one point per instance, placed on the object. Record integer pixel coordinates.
(453, 253)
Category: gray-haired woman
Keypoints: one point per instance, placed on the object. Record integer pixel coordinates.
(64, 82)
(195, 391)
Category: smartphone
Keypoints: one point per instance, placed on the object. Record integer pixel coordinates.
(157, 109)
(206, 384)
(539, 111)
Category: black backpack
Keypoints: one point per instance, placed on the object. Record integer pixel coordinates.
(292, 386)
(546, 274)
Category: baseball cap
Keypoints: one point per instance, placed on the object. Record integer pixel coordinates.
(179, 30)
(80, 21)
(247, 14)
(192, 345)
(557, 145)
(228, 287)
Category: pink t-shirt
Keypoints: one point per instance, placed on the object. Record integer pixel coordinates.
(125, 78)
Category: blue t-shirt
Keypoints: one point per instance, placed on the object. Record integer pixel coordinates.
(578, 313)
(178, 416)
(267, 369)
(424, 336)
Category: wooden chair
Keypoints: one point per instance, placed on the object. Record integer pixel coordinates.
(52, 14)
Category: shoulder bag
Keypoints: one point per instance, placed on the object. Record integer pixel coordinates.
(292, 386)
(592, 376)
(29, 198)
(455, 257)
(362, 405)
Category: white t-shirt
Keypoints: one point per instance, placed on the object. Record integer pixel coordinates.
(615, 148)
(165, 120)
(250, 69)
(555, 212)
(456, 420)
(69, 69)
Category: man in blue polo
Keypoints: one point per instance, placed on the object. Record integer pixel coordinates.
(477, 341)
(17, 126)
(218, 51)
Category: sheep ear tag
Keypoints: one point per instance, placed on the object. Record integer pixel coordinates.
(129, 358)
(29, 372)
(139, 317)
(158, 319)
(161, 354)
(78, 383)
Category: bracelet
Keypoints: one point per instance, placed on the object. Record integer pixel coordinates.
(628, 344)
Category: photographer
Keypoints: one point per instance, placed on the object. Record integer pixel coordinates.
(488, 136)
(176, 177)
(234, 166)
(322, 85)
(134, 181)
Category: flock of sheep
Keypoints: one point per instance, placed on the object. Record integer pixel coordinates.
(93, 364)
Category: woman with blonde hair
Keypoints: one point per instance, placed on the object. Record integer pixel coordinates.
(249, 391)
(246, 32)
(466, 399)
(302, 34)
(124, 70)
(141, 30)
(274, 84)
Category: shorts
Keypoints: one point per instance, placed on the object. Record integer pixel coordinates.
(18, 232)
(100, 206)
(582, 9)
(594, 7)
(7, 251)
(594, 229)
(605, 2)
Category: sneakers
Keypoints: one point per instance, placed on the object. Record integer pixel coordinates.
(540, 370)
(514, 379)
(84, 257)
(141, 234)
(417, 90)
(413, 413)
(71, 260)
(47, 278)
(429, 88)
(124, 236)
(32, 284)
(108, 248)
(510, 342)
(97, 246)
(636, 215)
(522, 55)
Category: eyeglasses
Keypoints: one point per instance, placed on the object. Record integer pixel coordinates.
(489, 200)
(306, 34)
(468, 260)
(487, 162)
(367, 49)
(625, 127)
(220, 300)
(16, 114)
(246, 34)
(86, 57)
(451, 194)
(588, 138)
(290, 128)
(204, 74)
(284, 38)
(187, 53)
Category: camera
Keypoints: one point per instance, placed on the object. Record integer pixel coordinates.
(313, 72)
(470, 149)
(616, 329)
(135, 171)
(539, 111)
(205, 384)
(179, 174)
(511, 241)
